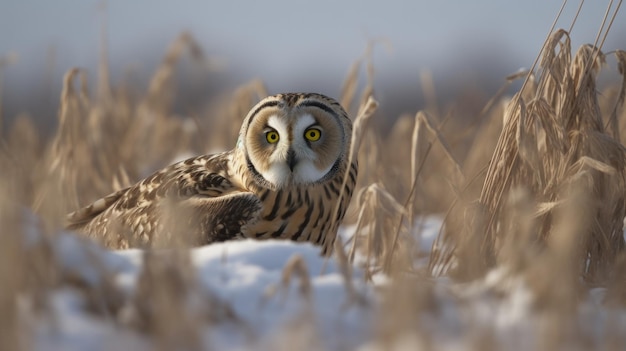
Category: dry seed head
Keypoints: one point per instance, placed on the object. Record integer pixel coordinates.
(544, 143)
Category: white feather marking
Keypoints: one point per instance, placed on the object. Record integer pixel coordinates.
(306, 172)
(277, 174)
(304, 122)
(99, 205)
(279, 125)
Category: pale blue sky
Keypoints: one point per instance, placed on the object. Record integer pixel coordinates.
(284, 42)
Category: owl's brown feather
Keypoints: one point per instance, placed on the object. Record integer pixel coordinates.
(220, 197)
(192, 200)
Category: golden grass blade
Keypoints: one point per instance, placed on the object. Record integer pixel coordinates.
(619, 104)
(366, 111)
(580, 7)
(551, 141)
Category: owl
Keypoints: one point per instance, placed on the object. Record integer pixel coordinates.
(289, 177)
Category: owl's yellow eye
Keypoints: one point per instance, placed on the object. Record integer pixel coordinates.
(313, 134)
(272, 137)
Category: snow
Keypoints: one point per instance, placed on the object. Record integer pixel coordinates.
(245, 275)
(270, 312)
(72, 329)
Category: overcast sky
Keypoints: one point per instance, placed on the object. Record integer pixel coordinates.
(283, 41)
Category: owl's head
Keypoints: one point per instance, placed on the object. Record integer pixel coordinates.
(295, 138)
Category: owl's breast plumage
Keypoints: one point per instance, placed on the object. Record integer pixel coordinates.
(308, 213)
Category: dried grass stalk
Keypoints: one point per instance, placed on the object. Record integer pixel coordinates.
(11, 273)
(548, 142)
(297, 267)
(366, 111)
(619, 104)
(346, 272)
(161, 302)
(160, 90)
(378, 216)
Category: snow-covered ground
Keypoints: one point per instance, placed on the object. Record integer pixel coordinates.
(245, 276)
(264, 308)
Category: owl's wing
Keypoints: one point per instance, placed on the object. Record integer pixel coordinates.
(82, 216)
(193, 198)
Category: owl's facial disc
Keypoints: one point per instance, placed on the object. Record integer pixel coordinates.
(294, 158)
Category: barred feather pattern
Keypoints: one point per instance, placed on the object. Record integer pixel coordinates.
(304, 214)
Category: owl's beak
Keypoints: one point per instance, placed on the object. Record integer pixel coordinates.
(291, 159)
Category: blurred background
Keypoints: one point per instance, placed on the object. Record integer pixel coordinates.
(466, 47)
